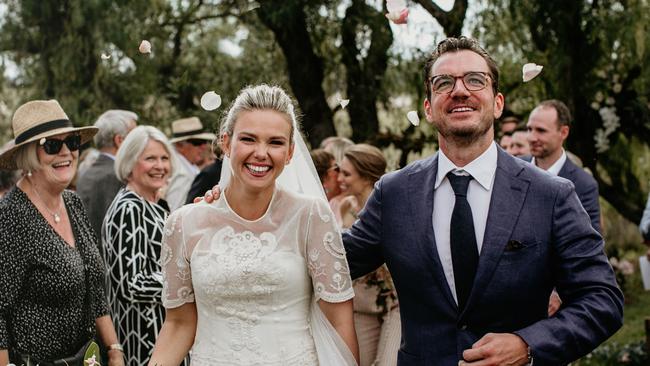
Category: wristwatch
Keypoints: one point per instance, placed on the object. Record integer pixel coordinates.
(530, 358)
(117, 346)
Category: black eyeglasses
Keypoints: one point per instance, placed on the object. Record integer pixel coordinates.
(473, 81)
(197, 142)
(53, 146)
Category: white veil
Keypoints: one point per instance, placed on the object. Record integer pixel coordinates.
(300, 176)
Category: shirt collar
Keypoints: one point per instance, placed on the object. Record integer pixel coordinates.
(557, 166)
(110, 156)
(482, 168)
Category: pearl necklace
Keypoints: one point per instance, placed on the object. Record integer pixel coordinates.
(57, 217)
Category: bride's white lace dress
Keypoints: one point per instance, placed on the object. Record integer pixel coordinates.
(254, 281)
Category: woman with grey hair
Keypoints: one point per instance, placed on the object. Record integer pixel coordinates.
(260, 276)
(52, 302)
(131, 239)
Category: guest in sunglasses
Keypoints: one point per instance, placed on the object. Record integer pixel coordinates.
(190, 142)
(131, 239)
(53, 303)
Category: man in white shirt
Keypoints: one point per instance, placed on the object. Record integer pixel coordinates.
(190, 141)
(548, 128)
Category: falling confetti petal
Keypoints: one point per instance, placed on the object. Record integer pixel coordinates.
(105, 56)
(398, 18)
(344, 103)
(145, 47)
(397, 11)
(210, 101)
(530, 71)
(413, 118)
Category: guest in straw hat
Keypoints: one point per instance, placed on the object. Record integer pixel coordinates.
(53, 303)
(190, 141)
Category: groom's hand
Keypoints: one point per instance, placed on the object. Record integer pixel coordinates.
(496, 349)
(210, 196)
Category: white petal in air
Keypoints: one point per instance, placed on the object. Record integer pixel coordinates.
(344, 103)
(210, 101)
(413, 118)
(397, 11)
(105, 56)
(145, 46)
(530, 71)
(395, 5)
(398, 17)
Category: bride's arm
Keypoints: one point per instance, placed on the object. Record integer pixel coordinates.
(176, 336)
(340, 315)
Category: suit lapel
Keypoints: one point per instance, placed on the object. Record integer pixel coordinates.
(508, 195)
(420, 188)
(567, 169)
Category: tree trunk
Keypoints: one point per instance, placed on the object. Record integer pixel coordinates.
(364, 74)
(286, 19)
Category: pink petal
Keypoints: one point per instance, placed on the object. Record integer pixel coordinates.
(530, 71)
(145, 46)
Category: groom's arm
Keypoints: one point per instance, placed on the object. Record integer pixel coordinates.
(362, 241)
(592, 308)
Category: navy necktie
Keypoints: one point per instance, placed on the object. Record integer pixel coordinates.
(464, 251)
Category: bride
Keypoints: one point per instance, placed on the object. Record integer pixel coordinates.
(259, 277)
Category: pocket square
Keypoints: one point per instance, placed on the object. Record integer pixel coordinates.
(513, 245)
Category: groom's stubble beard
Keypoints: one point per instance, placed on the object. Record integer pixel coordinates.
(466, 135)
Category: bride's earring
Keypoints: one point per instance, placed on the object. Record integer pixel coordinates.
(29, 173)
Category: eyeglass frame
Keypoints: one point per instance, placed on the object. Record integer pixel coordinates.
(53, 146)
(487, 75)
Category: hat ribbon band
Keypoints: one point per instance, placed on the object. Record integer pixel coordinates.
(43, 127)
(188, 133)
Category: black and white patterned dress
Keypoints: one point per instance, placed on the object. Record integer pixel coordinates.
(131, 240)
(44, 310)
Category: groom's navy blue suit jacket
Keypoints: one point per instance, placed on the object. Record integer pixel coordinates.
(537, 237)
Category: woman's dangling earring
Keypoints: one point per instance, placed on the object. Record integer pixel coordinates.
(29, 173)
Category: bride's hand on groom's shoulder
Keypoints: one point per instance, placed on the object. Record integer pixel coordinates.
(210, 196)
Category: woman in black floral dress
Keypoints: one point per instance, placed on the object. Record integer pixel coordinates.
(53, 300)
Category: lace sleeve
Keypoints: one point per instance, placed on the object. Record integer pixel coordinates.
(175, 262)
(328, 266)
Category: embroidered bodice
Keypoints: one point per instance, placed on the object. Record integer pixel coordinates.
(253, 281)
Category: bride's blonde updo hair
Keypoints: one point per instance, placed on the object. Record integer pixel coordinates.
(259, 97)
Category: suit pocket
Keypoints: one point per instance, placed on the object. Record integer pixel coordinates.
(408, 359)
(520, 252)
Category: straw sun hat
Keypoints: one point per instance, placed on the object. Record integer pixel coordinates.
(36, 120)
(189, 128)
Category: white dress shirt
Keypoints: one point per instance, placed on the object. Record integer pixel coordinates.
(479, 193)
(557, 166)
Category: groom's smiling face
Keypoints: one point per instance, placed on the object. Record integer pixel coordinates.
(461, 113)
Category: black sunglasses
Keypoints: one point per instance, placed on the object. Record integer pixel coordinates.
(197, 142)
(53, 146)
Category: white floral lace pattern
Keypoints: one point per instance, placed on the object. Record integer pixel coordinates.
(254, 282)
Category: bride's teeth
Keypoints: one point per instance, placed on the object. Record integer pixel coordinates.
(258, 169)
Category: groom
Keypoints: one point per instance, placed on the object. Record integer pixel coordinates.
(476, 240)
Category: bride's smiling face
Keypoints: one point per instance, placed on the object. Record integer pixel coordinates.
(259, 148)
